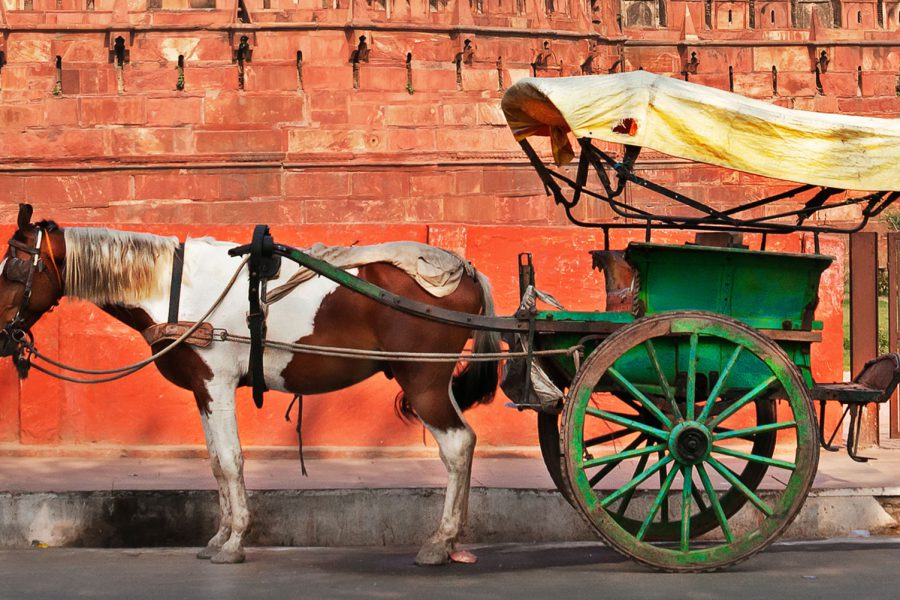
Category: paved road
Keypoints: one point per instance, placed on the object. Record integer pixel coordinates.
(862, 569)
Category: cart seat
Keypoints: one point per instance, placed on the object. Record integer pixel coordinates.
(875, 383)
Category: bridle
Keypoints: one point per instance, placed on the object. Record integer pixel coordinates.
(22, 270)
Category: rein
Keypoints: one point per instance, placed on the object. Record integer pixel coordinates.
(30, 351)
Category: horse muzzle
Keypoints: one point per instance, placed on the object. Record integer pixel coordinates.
(10, 341)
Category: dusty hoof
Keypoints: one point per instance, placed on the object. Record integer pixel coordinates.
(228, 557)
(208, 552)
(433, 554)
(463, 556)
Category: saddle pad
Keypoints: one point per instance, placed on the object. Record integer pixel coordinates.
(436, 270)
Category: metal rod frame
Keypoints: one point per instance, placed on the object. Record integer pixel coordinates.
(711, 219)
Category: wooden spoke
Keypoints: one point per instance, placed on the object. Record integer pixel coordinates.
(692, 378)
(716, 505)
(599, 475)
(742, 401)
(626, 499)
(686, 507)
(755, 458)
(635, 482)
(751, 431)
(607, 437)
(624, 455)
(663, 382)
(661, 501)
(664, 515)
(648, 405)
(626, 422)
(711, 400)
(736, 482)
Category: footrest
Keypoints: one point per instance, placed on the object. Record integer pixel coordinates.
(847, 393)
(875, 383)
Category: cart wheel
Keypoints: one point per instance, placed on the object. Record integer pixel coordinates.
(670, 434)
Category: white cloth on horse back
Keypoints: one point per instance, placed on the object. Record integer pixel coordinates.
(436, 270)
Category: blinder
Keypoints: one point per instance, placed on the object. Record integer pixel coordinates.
(22, 271)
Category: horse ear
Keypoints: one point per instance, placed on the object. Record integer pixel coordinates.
(25, 212)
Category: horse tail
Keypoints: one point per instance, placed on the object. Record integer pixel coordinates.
(476, 382)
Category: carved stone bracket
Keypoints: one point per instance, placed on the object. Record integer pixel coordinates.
(242, 44)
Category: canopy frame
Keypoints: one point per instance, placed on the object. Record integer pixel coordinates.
(603, 165)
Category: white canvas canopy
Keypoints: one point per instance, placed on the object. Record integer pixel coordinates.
(708, 125)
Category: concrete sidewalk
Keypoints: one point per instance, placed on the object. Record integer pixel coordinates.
(390, 501)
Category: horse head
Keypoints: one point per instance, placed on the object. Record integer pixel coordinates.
(31, 280)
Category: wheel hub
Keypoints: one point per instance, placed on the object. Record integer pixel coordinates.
(690, 442)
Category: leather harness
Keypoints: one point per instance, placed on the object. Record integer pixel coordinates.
(263, 265)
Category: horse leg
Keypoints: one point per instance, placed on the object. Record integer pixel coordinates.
(218, 540)
(222, 422)
(456, 445)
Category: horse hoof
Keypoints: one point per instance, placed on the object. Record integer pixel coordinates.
(463, 556)
(208, 552)
(227, 557)
(433, 555)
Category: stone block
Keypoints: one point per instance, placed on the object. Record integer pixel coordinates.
(411, 115)
(381, 78)
(479, 80)
(415, 139)
(20, 116)
(32, 48)
(434, 79)
(269, 78)
(174, 110)
(245, 185)
(754, 85)
(470, 209)
(886, 58)
(468, 181)
(269, 109)
(166, 185)
(79, 189)
(382, 184)
(382, 209)
(335, 77)
(63, 143)
(84, 48)
(796, 84)
(430, 184)
(842, 85)
(784, 58)
(12, 191)
(880, 84)
(308, 140)
(460, 113)
(315, 183)
(113, 110)
(139, 141)
(210, 79)
(845, 59)
(239, 142)
(151, 78)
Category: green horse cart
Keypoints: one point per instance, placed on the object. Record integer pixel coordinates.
(680, 421)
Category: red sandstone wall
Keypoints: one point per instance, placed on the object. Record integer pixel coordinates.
(324, 154)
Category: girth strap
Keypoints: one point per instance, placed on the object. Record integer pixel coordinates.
(175, 293)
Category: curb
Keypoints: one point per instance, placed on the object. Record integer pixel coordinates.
(360, 517)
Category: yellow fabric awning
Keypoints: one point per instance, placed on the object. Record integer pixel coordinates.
(708, 125)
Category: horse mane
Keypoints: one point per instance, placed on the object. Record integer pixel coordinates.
(105, 266)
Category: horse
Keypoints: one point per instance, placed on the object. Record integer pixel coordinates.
(128, 275)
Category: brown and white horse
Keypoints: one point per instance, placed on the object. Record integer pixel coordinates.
(128, 275)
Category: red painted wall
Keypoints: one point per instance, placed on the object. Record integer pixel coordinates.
(418, 154)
